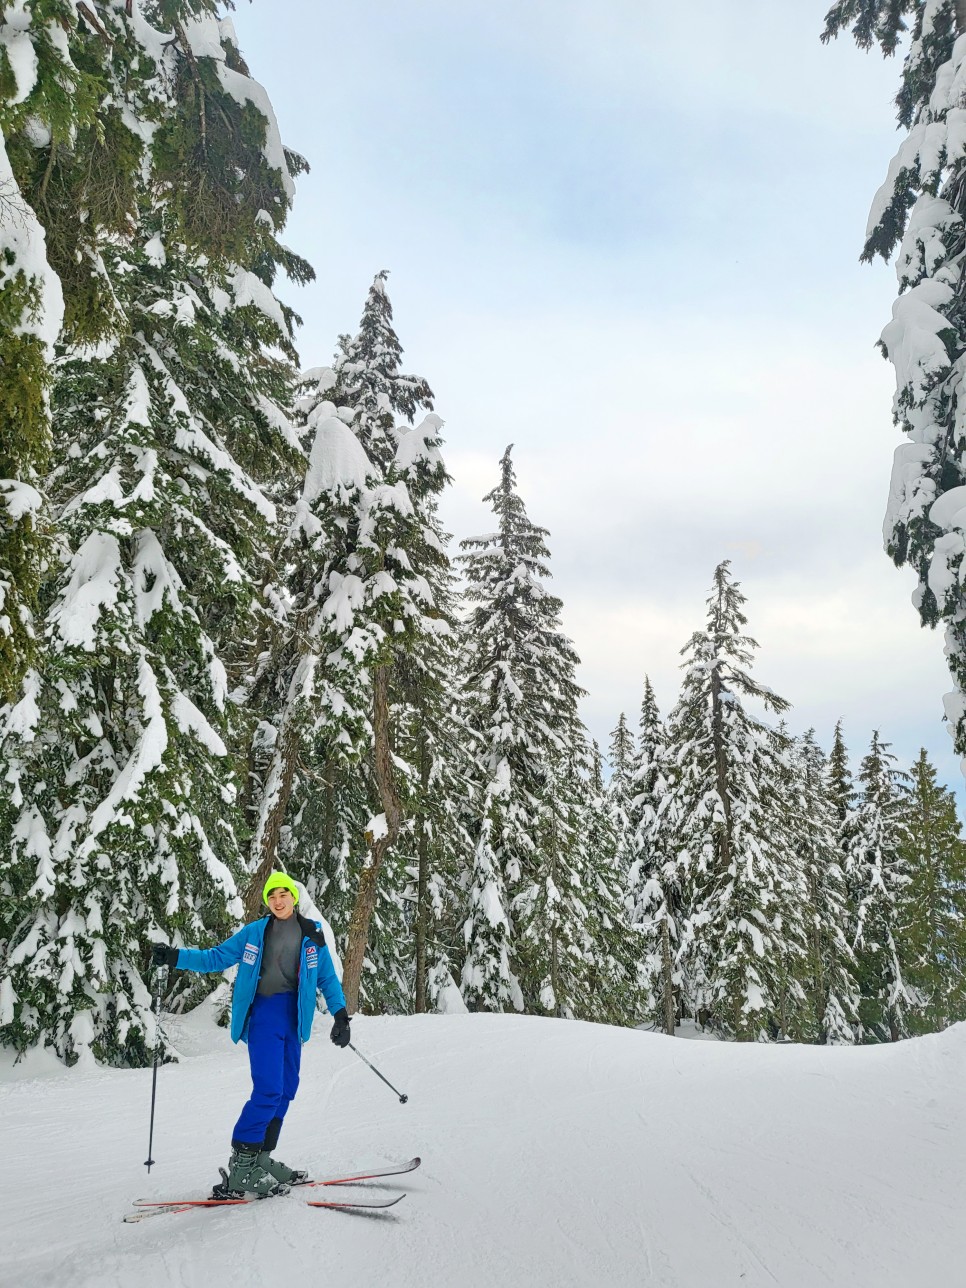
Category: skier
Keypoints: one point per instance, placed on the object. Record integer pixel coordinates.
(282, 959)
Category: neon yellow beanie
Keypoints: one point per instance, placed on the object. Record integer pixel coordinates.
(280, 879)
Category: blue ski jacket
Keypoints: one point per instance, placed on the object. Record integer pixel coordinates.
(244, 949)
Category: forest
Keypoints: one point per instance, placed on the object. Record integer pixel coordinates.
(235, 635)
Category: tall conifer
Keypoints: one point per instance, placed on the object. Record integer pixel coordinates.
(374, 596)
(933, 904)
(523, 699)
(653, 896)
(877, 876)
(831, 1011)
(731, 842)
(169, 441)
(919, 214)
(622, 758)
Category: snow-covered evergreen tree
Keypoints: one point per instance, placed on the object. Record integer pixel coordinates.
(522, 695)
(732, 845)
(436, 741)
(622, 758)
(53, 95)
(877, 878)
(653, 897)
(933, 903)
(920, 214)
(841, 788)
(605, 980)
(371, 585)
(832, 1001)
(168, 442)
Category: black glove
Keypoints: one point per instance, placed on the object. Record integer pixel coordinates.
(163, 955)
(340, 1029)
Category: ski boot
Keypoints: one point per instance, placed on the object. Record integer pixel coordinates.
(245, 1178)
(281, 1171)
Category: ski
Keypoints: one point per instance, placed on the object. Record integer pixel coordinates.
(352, 1204)
(147, 1207)
(397, 1170)
(168, 1207)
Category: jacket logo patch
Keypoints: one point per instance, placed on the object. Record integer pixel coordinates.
(311, 956)
(250, 954)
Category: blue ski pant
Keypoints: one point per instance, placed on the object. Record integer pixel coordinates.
(274, 1053)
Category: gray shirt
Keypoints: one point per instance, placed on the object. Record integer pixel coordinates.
(280, 957)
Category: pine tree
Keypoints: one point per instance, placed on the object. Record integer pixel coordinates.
(933, 904)
(605, 981)
(920, 214)
(522, 695)
(169, 442)
(436, 740)
(877, 878)
(622, 759)
(58, 136)
(745, 935)
(371, 588)
(832, 990)
(653, 897)
(841, 788)
(601, 837)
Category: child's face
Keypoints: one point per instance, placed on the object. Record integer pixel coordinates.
(281, 903)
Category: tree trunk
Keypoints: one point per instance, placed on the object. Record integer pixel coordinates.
(960, 16)
(277, 791)
(278, 788)
(667, 977)
(392, 808)
(422, 889)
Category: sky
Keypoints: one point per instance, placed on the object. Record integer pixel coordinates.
(624, 237)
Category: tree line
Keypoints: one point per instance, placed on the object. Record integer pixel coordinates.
(234, 635)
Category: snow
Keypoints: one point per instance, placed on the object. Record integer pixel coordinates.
(154, 251)
(277, 419)
(420, 444)
(913, 338)
(147, 756)
(250, 289)
(190, 720)
(337, 459)
(93, 589)
(19, 499)
(205, 34)
(23, 238)
(948, 510)
(151, 568)
(377, 828)
(575, 1155)
(16, 43)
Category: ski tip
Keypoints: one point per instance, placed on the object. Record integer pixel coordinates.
(345, 1205)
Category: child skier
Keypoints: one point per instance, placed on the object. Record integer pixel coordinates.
(282, 959)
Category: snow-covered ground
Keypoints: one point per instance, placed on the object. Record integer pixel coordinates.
(554, 1154)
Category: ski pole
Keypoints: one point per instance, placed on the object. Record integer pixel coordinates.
(402, 1098)
(162, 974)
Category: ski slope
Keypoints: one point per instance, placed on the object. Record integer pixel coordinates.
(554, 1153)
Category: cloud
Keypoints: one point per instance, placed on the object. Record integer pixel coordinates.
(775, 456)
(625, 238)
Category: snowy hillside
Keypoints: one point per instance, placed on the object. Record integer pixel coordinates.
(554, 1154)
